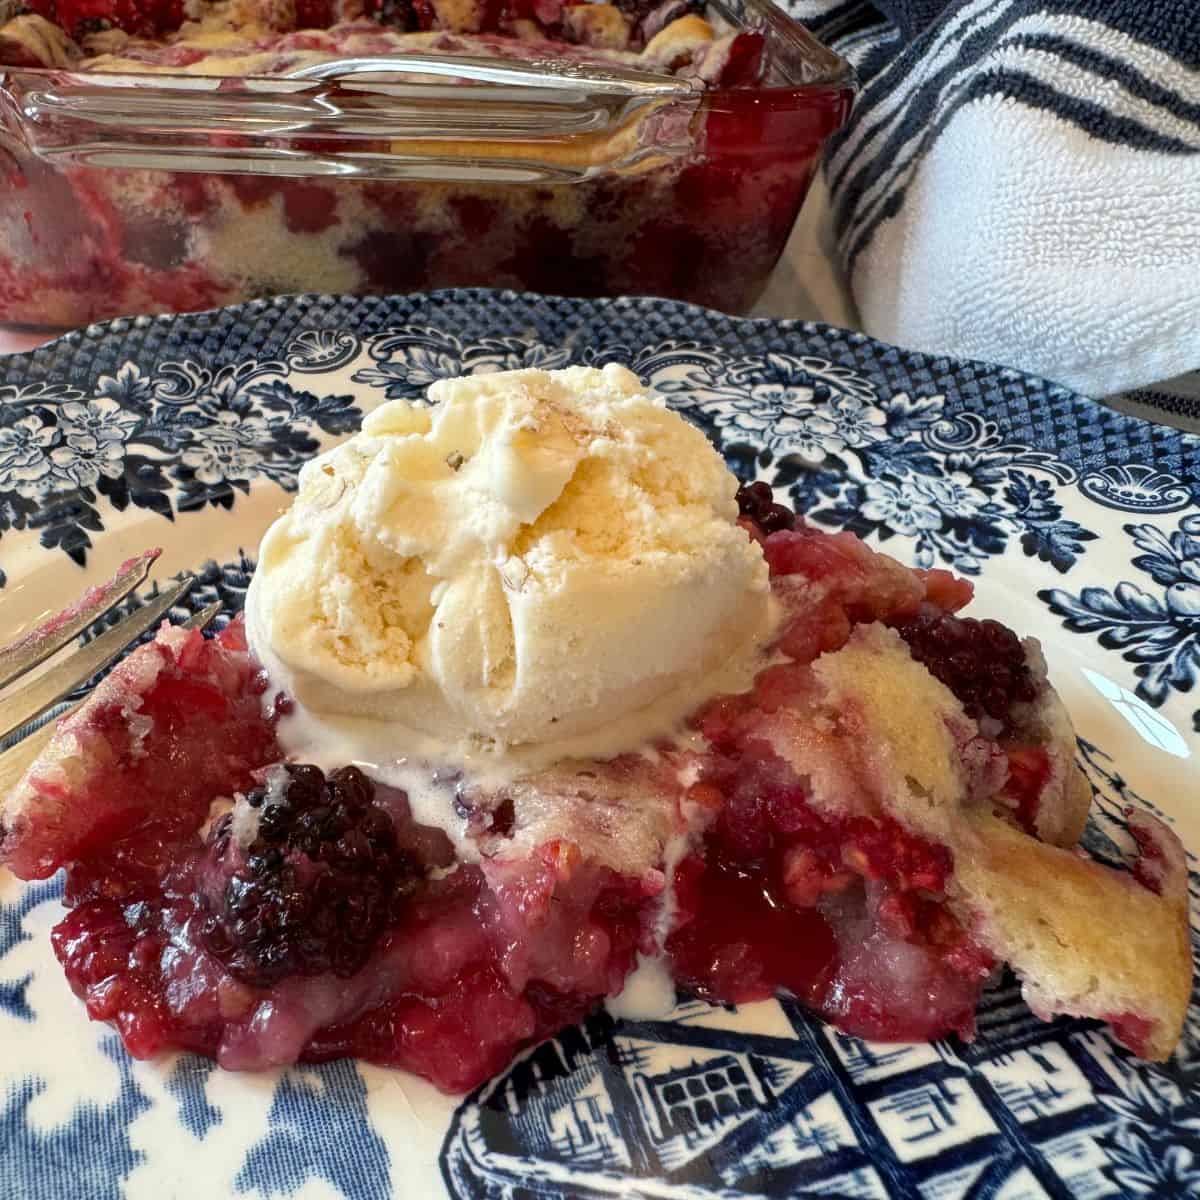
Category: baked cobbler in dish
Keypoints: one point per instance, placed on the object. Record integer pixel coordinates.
(169, 159)
(536, 701)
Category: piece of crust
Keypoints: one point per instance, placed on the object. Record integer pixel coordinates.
(1085, 940)
(602, 25)
(679, 41)
(31, 41)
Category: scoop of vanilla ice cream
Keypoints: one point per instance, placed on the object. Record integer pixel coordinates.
(536, 555)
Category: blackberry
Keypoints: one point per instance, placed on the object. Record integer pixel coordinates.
(756, 502)
(90, 25)
(316, 887)
(753, 498)
(395, 14)
(981, 662)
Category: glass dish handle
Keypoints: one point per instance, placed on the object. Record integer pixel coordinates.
(471, 119)
(533, 72)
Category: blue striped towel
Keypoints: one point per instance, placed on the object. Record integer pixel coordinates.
(1020, 181)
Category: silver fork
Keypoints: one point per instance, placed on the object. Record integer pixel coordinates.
(19, 705)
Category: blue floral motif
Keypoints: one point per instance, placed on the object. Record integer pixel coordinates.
(228, 449)
(877, 465)
(1153, 1144)
(1048, 535)
(129, 388)
(186, 1083)
(1165, 1173)
(1160, 633)
(956, 488)
(12, 919)
(904, 506)
(410, 359)
(189, 437)
(25, 455)
(800, 406)
(182, 439)
(807, 435)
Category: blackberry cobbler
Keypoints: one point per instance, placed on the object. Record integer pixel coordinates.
(537, 697)
(136, 185)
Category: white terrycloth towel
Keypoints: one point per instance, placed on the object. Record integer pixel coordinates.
(1020, 181)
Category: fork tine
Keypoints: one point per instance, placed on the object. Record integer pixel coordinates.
(16, 760)
(205, 617)
(26, 652)
(37, 696)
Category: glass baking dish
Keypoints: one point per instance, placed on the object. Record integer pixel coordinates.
(123, 193)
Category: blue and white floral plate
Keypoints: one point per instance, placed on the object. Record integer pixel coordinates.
(1079, 525)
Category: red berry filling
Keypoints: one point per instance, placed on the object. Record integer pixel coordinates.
(843, 913)
(317, 919)
(149, 18)
(449, 977)
(342, 932)
(1028, 774)
(179, 724)
(148, 241)
(1133, 1031)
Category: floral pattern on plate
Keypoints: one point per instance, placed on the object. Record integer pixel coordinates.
(169, 442)
(1159, 631)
